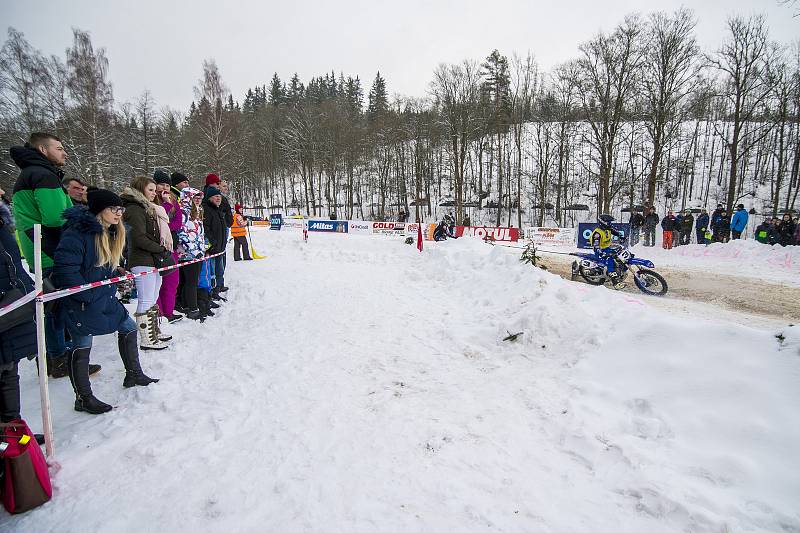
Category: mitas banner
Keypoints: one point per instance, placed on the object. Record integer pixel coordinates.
(489, 233)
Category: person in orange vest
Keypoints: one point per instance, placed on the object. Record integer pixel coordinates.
(239, 234)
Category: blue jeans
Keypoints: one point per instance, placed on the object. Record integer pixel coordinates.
(85, 341)
(54, 339)
(219, 270)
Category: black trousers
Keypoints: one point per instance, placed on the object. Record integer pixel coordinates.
(191, 275)
(240, 247)
(736, 234)
(9, 392)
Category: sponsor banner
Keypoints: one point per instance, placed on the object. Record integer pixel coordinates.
(359, 227)
(293, 223)
(389, 228)
(488, 233)
(275, 221)
(328, 226)
(260, 222)
(585, 230)
(551, 236)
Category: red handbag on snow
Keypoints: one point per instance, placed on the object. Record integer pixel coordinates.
(26, 480)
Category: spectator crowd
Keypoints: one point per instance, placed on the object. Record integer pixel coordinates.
(678, 228)
(90, 234)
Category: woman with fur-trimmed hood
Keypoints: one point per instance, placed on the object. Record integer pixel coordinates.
(90, 249)
(142, 220)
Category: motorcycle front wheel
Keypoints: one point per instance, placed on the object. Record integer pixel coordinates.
(650, 282)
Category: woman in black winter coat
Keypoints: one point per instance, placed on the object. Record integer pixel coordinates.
(18, 342)
(786, 232)
(90, 249)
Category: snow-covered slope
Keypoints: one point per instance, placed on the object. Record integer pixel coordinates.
(354, 384)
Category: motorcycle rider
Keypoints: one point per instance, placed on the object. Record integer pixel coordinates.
(602, 240)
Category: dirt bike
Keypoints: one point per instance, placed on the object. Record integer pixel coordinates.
(593, 271)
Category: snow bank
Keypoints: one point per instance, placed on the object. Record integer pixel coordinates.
(740, 257)
(358, 385)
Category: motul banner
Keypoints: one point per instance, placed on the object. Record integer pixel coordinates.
(488, 233)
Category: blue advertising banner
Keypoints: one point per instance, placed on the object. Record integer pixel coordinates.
(585, 230)
(275, 221)
(329, 226)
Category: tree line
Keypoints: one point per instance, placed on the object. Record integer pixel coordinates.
(641, 116)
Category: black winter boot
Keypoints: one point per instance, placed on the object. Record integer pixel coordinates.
(129, 352)
(57, 366)
(78, 367)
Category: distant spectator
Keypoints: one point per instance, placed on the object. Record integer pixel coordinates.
(216, 232)
(716, 215)
(465, 222)
(650, 223)
(241, 247)
(76, 189)
(763, 230)
(403, 216)
(636, 221)
(774, 233)
(722, 229)
(786, 234)
(669, 225)
(686, 225)
(797, 231)
(738, 222)
(702, 226)
(39, 198)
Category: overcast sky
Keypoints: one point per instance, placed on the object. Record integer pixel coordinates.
(160, 45)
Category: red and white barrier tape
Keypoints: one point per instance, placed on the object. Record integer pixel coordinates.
(19, 303)
(80, 288)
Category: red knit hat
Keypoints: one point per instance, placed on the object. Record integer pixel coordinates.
(212, 179)
(237, 207)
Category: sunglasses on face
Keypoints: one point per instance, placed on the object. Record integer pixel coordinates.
(117, 210)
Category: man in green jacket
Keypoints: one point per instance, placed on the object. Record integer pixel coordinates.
(39, 198)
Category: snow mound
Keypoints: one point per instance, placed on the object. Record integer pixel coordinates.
(359, 385)
(737, 257)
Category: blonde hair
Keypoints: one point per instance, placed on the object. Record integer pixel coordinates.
(109, 250)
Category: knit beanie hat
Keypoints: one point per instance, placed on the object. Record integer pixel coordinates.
(161, 177)
(212, 179)
(212, 191)
(99, 199)
(237, 207)
(177, 177)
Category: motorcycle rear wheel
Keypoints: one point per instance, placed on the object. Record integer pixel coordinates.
(590, 278)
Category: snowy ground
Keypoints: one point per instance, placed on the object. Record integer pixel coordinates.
(353, 384)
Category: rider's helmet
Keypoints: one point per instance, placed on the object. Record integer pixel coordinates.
(605, 221)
